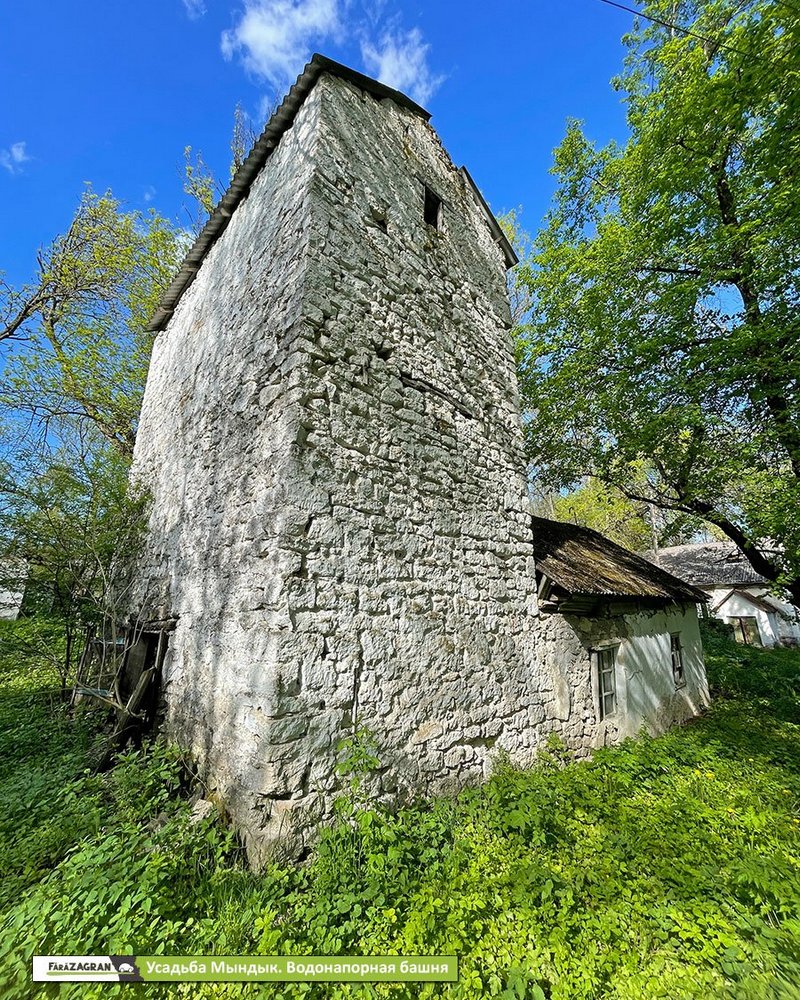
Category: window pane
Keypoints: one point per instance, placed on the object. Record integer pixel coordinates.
(677, 658)
(606, 681)
(750, 630)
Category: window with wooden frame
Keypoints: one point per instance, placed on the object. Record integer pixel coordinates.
(745, 630)
(676, 652)
(606, 666)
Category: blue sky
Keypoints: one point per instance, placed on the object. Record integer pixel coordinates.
(110, 93)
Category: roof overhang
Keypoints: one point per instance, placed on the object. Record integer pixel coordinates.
(500, 237)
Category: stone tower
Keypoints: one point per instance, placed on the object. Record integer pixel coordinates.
(340, 535)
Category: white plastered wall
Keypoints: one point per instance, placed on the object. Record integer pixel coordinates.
(647, 696)
(779, 626)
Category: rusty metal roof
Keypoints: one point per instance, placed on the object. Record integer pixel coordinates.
(280, 122)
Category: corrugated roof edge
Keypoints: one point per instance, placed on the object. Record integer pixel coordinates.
(279, 123)
(633, 563)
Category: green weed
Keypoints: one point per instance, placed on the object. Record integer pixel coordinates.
(664, 868)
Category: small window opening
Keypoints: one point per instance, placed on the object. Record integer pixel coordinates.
(376, 216)
(433, 208)
(607, 681)
(745, 630)
(678, 674)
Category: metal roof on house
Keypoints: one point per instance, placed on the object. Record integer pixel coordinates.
(582, 562)
(708, 564)
(280, 122)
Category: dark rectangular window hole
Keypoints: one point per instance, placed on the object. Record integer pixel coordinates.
(433, 208)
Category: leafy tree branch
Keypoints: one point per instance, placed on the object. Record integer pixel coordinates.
(664, 286)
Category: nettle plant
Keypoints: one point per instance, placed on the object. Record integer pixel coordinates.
(357, 759)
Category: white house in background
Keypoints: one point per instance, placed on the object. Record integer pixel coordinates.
(12, 588)
(618, 636)
(737, 594)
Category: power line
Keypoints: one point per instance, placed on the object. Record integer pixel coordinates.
(676, 27)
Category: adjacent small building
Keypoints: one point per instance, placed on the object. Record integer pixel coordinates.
(619, 636)
(738, 594)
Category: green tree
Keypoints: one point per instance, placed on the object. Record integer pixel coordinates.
(243, 138)
(664, 325)
(77, 349)
(77, 341)
(631, 523)
(519, 295)
(608, 511)
(201, 186)
(199, 180)
(68, 517)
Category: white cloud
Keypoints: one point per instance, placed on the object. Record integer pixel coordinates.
(274, 37)
(195, 8)
(13, 157)
(401, 61)
(374, 11)
(149, 194)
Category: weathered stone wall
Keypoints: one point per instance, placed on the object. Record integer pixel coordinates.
(333, 443)
(646, 692)
(216, 445)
